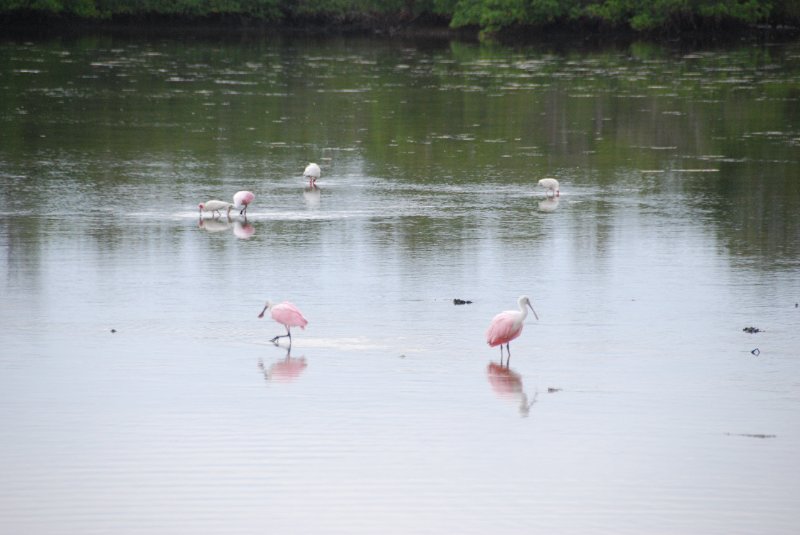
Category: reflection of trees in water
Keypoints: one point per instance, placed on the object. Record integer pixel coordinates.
(455, 114)
(422, 233)
(591, 109)
(755, 216)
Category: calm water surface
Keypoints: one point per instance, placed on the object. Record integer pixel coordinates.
(139, 393)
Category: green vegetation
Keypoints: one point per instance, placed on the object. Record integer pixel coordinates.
(489, 16)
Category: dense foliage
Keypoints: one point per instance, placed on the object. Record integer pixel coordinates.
(488, 15)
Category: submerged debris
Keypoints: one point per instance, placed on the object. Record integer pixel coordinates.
(113, 331)
(756, 352)
(551, 390)
(752, 330)
(461, 302)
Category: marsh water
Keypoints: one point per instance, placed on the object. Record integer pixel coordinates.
(140, 393)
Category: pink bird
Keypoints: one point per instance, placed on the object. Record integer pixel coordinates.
(507, 325)
(551, 185)
(287, 315)
(312, 173)
(241, 199)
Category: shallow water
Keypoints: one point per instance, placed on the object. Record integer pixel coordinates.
(140, 393)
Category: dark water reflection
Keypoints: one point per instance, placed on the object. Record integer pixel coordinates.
(128, 326)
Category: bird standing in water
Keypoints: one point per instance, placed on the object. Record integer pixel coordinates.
(312, 173)
(551, 185)
(214, 205)
(507, 326)
(288, 315)
(241, 199)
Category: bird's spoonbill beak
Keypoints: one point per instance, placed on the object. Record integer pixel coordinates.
(534, 312)
(262, 312)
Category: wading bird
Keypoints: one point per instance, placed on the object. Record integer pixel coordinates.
(287, 315)
(312, 172)
(551, 185)
(241, 199)
(214, 206)
(507, 325)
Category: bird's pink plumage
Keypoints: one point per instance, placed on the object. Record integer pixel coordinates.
(289, 315)
(243, 198)
(503, 329)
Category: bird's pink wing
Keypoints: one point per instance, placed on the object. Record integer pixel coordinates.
(288, 314)
(502, 330)
(243, 198)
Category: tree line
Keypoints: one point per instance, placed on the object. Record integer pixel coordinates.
(490, 16)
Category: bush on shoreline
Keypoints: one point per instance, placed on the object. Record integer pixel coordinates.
(487, 16)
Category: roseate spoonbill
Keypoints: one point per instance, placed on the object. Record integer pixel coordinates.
(241, 199)
(312, 172)
(507, 325)
(551, 185)
(215, 206)
(287, 315)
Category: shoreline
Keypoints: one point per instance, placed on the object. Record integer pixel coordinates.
(425, 28)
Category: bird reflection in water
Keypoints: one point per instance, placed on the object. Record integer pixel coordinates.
(284, 370)
(242, 229)
(507, 384)
(548, 205)
(312, 195)
(215, 225)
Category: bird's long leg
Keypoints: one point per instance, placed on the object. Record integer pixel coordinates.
(508, 355)
(288, 333)
(243, 211)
